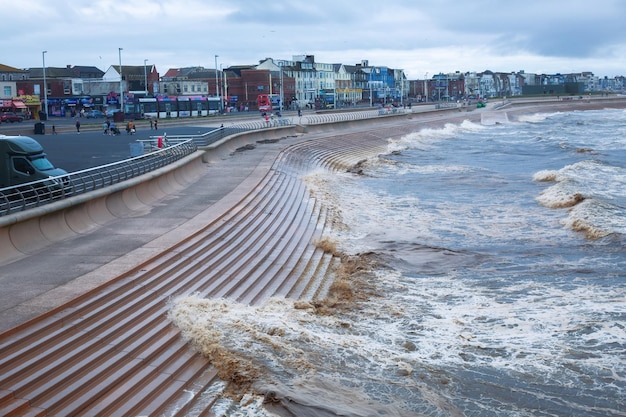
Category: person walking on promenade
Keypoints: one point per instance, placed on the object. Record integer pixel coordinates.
(54, 130)
(78, 126)
(156, 122)
(151, 124)
(113, 130)
(105, 127)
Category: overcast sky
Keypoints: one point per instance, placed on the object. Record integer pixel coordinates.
(419, 36)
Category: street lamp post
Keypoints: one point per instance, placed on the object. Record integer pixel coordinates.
(282, 92)
(45, 85)
(121, 85)
(224, 88)
(371, 69)
(216, 83)
(145, 76)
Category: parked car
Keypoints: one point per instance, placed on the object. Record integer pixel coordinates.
(93, 114)
(10, 116)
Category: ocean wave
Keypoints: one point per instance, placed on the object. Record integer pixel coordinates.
(593, 191)
(312, 364)
(597, 219)
(545, 176)
(562, 195)
(424, 139)
(536, 117)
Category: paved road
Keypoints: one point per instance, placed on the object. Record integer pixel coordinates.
(74, 151)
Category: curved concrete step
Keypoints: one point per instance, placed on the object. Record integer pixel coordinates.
(113, 351)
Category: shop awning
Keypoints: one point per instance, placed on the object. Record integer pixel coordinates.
(19, 105)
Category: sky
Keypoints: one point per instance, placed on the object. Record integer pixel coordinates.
(422, 37)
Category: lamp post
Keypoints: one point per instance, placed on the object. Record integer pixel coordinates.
(121, 85)
(145, 76)
(216, 83)
(45, 85)
(282, 92)
(224, 84)
(371, 69)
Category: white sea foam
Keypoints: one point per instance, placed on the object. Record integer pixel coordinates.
(589, 187)
(416, 326)
(545, 175)
(536, 117)
(597, 218)
(426, 138)
(281, 342)
(527, 330)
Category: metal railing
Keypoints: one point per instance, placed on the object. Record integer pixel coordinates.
(38, 193)
(215, 135)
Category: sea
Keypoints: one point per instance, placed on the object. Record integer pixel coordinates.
(498, 287)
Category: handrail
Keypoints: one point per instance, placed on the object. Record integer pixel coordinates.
(38, 193)
(215, 135)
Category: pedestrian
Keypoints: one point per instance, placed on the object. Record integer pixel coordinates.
(54, 130)
(151, 124)
(105, 126)
(78, 126)
(156, 122)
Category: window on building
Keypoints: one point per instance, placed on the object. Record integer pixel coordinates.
(7, 91)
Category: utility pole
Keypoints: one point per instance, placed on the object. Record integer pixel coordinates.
(121, 82)
(45, 85)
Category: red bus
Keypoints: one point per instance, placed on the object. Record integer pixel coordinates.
(267, 102)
